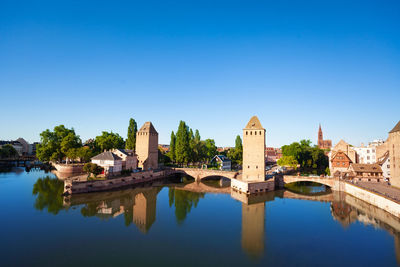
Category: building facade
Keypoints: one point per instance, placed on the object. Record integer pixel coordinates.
(147, 147)
(384, 162)
(323, 144)
(111, 163)
(394, 155)
(340, 162)
(129, 158)
(345, 148)
(224, 162)
(253, 151)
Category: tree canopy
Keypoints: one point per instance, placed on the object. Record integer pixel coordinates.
(236, 153)
(55, 145)
(310, 158)
(108, 141)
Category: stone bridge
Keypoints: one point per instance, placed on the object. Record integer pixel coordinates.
(199, 174)
(333, 183)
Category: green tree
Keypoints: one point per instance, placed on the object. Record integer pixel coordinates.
(131, 139)
(182, 146)
(84, 154)
(108, 141)
(8, 151)
(289, 161)
(92, 168)
(172, 153)
(55, 144)
(210, 149)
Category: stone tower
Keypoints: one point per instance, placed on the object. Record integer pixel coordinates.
(253, 151)
(253, 229)
(147, 147)
(394, 155)
(320, 137)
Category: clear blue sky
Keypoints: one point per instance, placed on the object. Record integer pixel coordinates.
(213, 64)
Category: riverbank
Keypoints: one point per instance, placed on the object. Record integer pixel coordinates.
(78, 187)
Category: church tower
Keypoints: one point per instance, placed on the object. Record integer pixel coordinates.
(320, 137)
(147, 147)
(253, 151)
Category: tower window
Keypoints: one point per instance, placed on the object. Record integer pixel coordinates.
(255, 132)
(248, 166)
(251, 133)
(247, 132)
(260, 132)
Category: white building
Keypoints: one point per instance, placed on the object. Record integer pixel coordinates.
(367, 154)
(111, 163)
(384, 162)
(224, 163)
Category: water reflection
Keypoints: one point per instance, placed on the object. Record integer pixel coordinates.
(138, 206)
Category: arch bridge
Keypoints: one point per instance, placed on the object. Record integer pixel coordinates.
(200, 174)
(333, 183)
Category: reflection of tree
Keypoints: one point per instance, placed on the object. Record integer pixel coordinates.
(90, 209)
(49, 194)
(184, 201)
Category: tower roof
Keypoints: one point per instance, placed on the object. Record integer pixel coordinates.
(396, 128)
(254, 123)
(148, 127)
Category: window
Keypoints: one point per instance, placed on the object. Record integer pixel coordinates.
(247, 132)
(256, 167)
(251, 133)
(344, 163)
(368, 151)
(248, 167)
(260, 132)
(255, 132)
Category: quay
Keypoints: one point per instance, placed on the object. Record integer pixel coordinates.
(134, 179)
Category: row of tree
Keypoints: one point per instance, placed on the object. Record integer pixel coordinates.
(63, 143)
(310, 158)
(8, 151)
(187, 147)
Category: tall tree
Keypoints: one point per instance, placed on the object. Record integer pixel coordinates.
(131, 139)
(211, 149)
(182, 147)
(197, 136)
(172, 154)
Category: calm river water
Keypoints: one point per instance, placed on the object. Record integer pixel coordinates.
(189, 224)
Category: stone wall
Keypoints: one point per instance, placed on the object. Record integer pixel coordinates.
(373, 198)
(394, 155)
(69, 169)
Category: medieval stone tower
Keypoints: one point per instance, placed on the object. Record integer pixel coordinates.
(147, 147)
(253, 151)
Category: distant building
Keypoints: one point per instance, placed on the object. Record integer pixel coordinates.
(224, 162)
(384, 162)
(366, 155)
(323, 144)
(164, 148)
(111, 163)
(272, 154)
(147, 147)
(394, 155)
(253, 151)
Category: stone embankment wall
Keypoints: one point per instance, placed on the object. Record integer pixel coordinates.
(377, 200)
(69, 169)
(76, 187)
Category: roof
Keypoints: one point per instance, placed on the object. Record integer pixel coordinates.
(107, 155)
(126, 152)
(221, 157)
(148, 127)
(334, 154)
(254, 123)
(383, 159)
(396, 128)
(357, 167)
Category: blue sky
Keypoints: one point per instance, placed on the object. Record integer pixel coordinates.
(213, 64)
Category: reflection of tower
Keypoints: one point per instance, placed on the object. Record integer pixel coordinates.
(397, 247)
(253, 229)
(144, 210)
